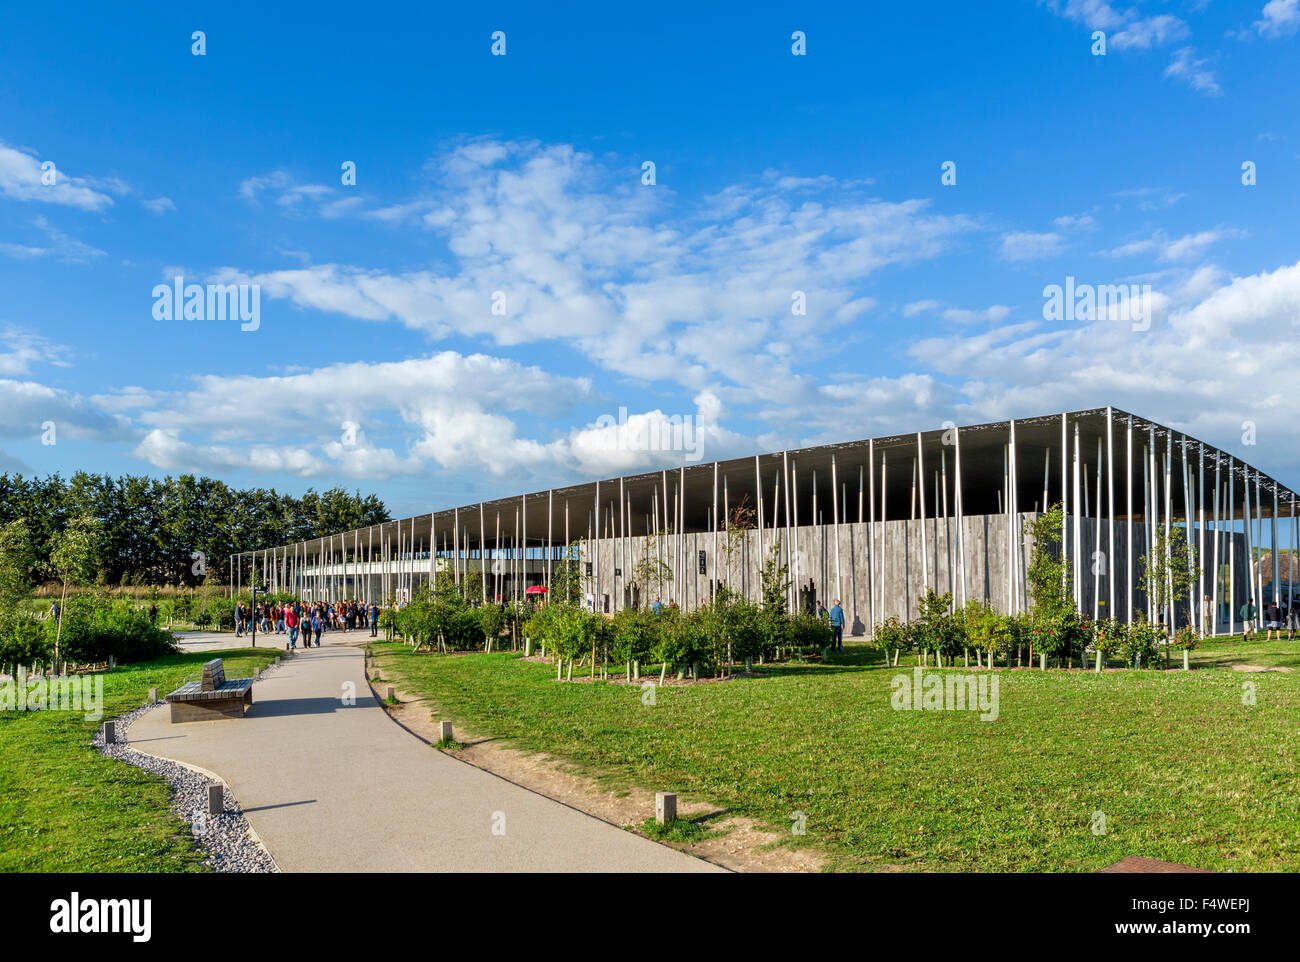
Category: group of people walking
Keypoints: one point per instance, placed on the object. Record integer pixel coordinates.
(308, 620)
(1277, 617)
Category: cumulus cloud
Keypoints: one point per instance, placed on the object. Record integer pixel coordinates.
(546, 243)
(20, 179)
(1280, 18)
(1210, 360)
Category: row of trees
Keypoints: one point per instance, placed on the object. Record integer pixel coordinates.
(1053, 627)
(709, 640)
(174, 531)
(89, 627)
(980, 631)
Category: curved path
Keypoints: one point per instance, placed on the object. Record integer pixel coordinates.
(333, 787)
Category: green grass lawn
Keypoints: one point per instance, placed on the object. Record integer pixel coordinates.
(66, 808)
(1180, 767)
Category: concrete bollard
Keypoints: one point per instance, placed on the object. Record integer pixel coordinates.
(444, 728)
(665, 807)
(392, 694)
(216, 799)
(153, 696)
(110, 733)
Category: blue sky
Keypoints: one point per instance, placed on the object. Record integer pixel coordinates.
(378, 362)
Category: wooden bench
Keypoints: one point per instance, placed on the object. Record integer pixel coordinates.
(214, 696)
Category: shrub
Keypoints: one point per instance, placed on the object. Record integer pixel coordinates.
(809, 631)
(575, 632)
(775, 631)
(1186, 639)
(23, 640)
(986, 629)
(893, 634)
(542, 624)
(1110, 637)
(491, 621)
(683, 642)
(634, 635)
(1059, 634)
(1143, 642)
(221, 611)
(95, 628)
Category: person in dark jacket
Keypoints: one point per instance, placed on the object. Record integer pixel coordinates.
(837, 624)
(1273, 620)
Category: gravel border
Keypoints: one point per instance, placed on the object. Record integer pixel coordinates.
(229, 840)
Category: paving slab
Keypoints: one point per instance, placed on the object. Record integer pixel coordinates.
(336, 787)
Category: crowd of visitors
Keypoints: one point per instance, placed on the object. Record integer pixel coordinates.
(307, 620)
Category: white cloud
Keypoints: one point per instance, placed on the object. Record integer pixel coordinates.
(1193, 72)
(1079, 222)
(583, 254)
(1280, 18)
(1187, 247)
(1123, 28)
(20, 179)
(25, 406)
(995, 313)
(59, 245)
(1027, 245)
(1206, 364)
(921, 307)
(23, 349)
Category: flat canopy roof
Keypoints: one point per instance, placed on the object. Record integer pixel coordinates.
(876, 478)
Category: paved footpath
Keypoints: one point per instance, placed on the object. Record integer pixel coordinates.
(337, 788)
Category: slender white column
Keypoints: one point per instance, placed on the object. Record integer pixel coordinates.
(920, 477)
(835, 526)
(1215, 579)
(596, 603)
(1258, 562)
(1110, 502)
(1200, 543)
(1015, 553)
(1065, 500)
(1078, 522)
(871, 533)
(1277, 561)
(794, 497)
(1232, 547)
(961, 525)
(884, 497)
(1096, 543)
(1169, 521)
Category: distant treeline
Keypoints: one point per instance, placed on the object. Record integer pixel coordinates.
(151, 529)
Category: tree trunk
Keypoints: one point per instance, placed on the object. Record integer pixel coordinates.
(58, 629)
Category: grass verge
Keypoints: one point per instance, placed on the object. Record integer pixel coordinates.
(66, 808)
(1182, 765)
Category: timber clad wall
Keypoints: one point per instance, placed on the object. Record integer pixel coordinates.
(969, 493)
(901, 569)
(904, 560)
